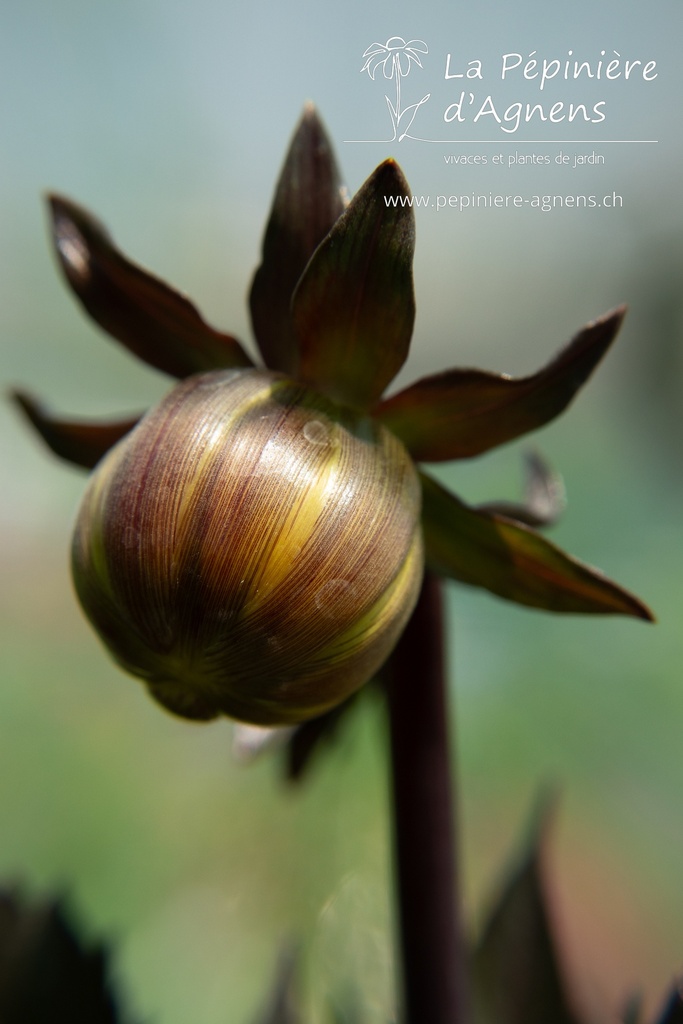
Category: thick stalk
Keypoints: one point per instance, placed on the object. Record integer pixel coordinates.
(431, 941)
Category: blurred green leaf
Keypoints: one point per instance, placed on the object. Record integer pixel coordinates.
(308, 200)
(354, 306)
(511, 560)
(461, 413)
(76, 441)
(152, 320)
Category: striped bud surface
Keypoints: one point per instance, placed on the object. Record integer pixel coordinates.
(250, 549)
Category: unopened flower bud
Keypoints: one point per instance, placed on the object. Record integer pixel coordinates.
(250, 548)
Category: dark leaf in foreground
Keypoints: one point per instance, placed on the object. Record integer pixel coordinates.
(308, 200)
(157, 323)
(516, 977)
(673, 1011)
(354, 307)
(46, 976)
(461, 413)
(76, 441)
(544, 497)
(511, 560)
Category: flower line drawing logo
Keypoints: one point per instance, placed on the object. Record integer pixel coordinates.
(396, 58)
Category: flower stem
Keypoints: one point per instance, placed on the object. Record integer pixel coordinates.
(431, 941)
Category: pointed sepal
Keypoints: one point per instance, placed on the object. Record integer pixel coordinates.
(80, 442)
(516, 973)
(155, 322)
(354, 307)
(488, 550)
(461, 413)
(308, 200)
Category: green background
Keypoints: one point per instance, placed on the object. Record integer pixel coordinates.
(170, 120)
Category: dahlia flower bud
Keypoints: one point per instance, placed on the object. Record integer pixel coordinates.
(250, 548)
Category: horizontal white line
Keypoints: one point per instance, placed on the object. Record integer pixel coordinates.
(519, 142)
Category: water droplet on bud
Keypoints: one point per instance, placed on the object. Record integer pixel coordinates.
(316, 432)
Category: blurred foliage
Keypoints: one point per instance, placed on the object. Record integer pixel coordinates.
(46, 974)
(516, 976)
(516, 973)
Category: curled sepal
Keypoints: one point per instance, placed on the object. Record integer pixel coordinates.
(308, 200)
(516, 974)
(513, 561)
(544, 495)
(76, 441)
(354, 307)
(152, 320)
(461, 413)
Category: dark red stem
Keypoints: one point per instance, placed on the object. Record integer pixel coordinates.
(431, 942)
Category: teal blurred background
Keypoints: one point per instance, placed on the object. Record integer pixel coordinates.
(170, 121)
